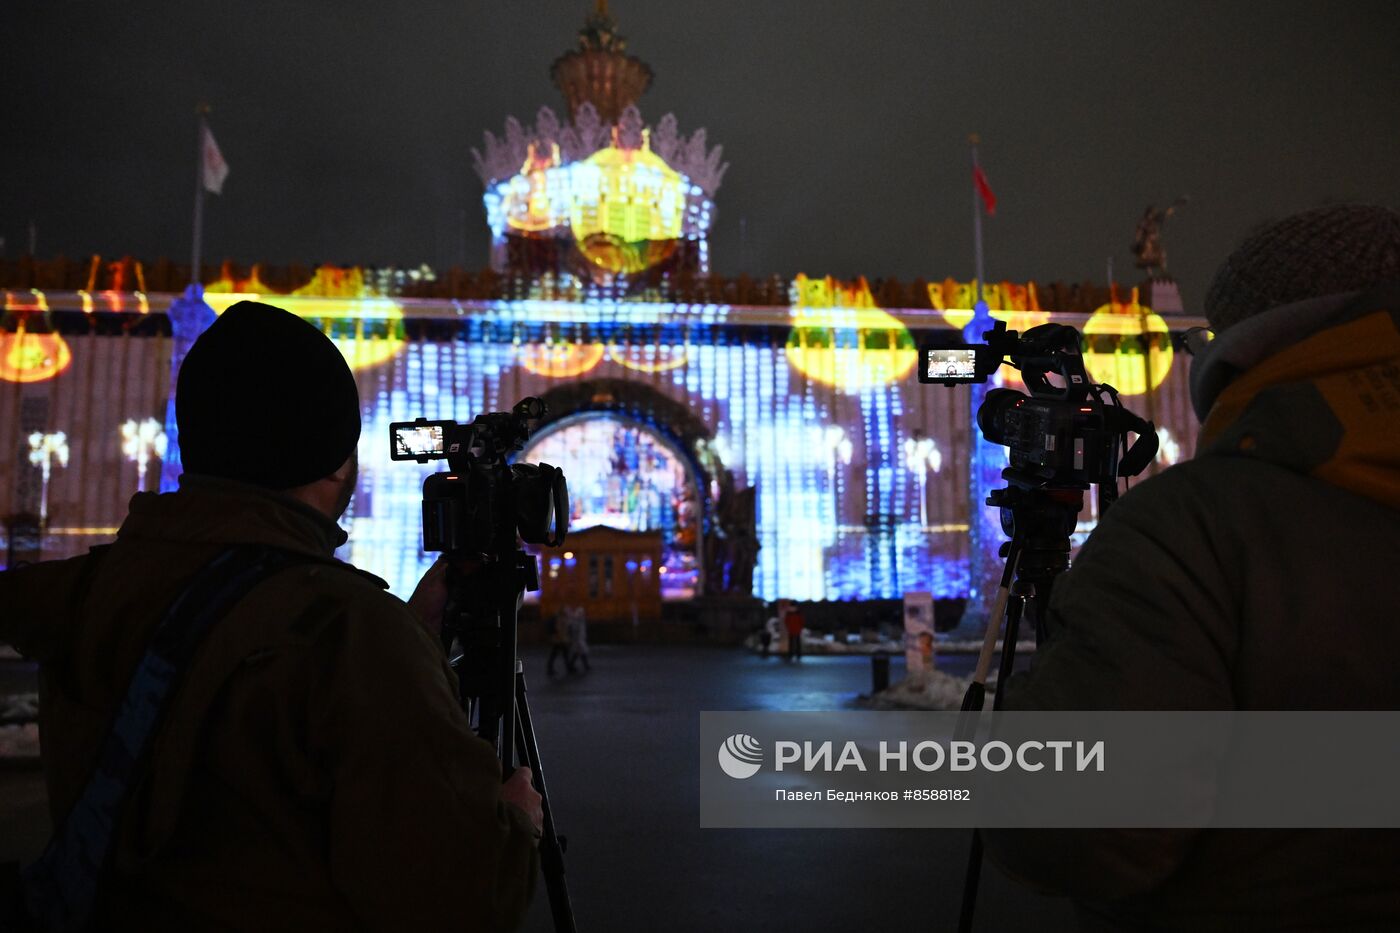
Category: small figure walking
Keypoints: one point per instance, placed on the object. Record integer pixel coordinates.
(793, 622)
(578, 639)
(559, 642)
(766, 633)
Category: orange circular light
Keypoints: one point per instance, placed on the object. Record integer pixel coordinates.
(26, 357)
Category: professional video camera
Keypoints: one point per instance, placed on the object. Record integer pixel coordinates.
(477, 512)
(1059, 435)
(1067, 435)
(481, 502)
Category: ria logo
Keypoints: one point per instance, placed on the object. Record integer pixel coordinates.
(741, 756)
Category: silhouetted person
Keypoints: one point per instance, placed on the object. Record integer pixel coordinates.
(313, 769)
(1257, 576)
(793, 622)
(559, 642)
(578, 639)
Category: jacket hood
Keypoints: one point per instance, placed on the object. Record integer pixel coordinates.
(1313, 387)
(210, 510)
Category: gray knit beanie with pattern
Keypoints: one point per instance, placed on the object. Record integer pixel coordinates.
(1344, 248)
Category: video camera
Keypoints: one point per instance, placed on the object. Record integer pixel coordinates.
(478, 511)
(481, 502)
(1063, 433)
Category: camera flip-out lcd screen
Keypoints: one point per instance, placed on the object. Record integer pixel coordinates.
(955, 364)
(416, 440)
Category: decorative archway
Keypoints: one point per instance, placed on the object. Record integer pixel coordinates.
(626, 476)
(676, 424)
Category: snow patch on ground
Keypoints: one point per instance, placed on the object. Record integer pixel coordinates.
(932, 690)
(974, 646)
(816, 644)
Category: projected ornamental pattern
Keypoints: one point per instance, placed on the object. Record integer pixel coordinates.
(623, 475)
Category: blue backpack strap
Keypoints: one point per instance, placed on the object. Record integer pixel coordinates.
(62, 886)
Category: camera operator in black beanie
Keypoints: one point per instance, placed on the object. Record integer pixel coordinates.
(313, 770)
(1259, 575)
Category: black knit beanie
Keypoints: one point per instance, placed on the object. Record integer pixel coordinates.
(1326, 251)
(265, 398)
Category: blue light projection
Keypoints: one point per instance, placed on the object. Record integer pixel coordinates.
(841, 512)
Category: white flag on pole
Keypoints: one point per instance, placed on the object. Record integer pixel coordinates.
(215, 168)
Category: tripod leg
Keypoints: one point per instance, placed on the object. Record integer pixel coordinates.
(551, 845)
(970, 881)
(974, 852)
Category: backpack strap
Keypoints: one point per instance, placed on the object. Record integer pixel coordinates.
(62, 886)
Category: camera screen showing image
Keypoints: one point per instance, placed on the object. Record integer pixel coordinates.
(949, 365)
(418, 440)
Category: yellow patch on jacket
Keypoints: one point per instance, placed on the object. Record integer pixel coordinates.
(1356, 368)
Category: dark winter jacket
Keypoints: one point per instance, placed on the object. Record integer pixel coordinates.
(1260, 575)
(315, 771)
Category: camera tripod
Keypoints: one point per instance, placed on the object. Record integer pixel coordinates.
(1039, 520)
(481, 619)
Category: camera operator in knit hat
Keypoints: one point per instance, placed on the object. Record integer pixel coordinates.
(313, 769)
(1259, 575)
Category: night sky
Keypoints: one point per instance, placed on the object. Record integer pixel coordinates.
(348, 125)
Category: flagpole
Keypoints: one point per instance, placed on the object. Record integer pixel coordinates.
(974, 139)
(197, 247)
(985, 460)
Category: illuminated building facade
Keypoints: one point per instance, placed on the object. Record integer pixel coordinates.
(772, 433)
(664, 415)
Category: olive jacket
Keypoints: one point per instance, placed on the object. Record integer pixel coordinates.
(314, 769)
(1259, 575)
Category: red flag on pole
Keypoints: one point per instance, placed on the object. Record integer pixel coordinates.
(979, 178)
(215, 169)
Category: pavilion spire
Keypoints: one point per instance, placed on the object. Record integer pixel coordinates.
(599, 71)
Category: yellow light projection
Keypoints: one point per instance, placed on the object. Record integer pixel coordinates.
(1017, 305)
(840, 338)
(253, 284)
(626, 206)
(366, 328)
(1114, 340)
(529, 206)
(26, 356)
(116, 302)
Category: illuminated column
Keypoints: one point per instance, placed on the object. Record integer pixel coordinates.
(838, 449)
(984, 475)
(921, 455)
(44, 449)
(140, 440)
(189, 317)
(883, 494)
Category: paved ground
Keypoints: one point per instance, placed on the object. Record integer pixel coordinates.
(620, 749)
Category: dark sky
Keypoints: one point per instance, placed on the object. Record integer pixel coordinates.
(348, 124)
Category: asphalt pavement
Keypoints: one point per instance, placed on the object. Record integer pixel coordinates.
(620, 747)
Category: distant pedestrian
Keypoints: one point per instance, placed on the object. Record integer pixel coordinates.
(793, 622)
(578, 639)
(559, 642)
(766, 633)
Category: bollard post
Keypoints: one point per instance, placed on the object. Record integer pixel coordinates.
(879, 672)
